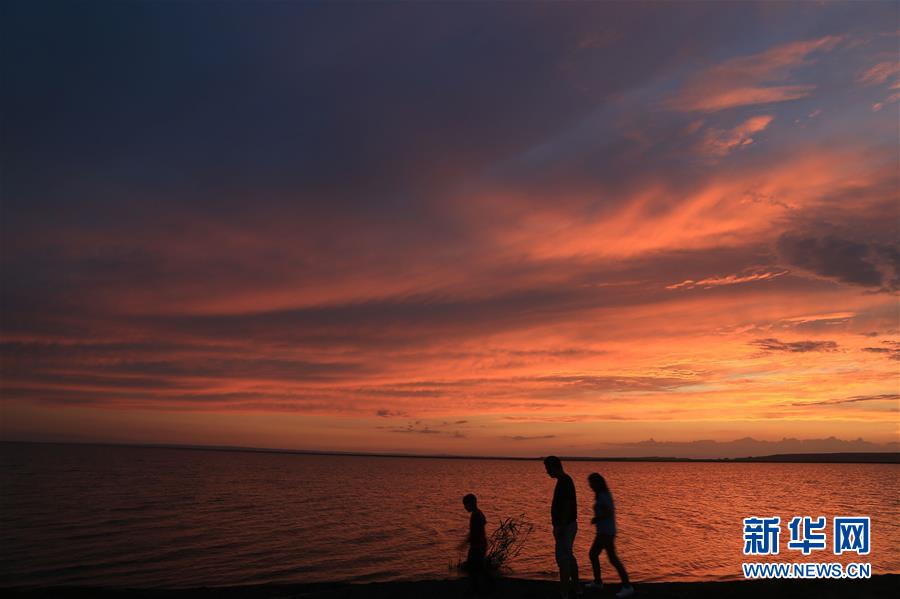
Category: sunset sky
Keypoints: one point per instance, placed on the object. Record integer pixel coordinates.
(511, 229)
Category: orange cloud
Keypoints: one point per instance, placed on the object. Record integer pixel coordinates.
(728, 280)
(719, 142)
(879, 73)
(749, 80)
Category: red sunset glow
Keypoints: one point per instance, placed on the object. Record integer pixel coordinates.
(572, 237)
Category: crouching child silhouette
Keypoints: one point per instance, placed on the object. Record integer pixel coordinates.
(476, 560)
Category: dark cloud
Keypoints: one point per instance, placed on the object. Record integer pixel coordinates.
(165, 397)
(176, 374)
(529, 437)
(871, 265)
(746, 447)
(571, 418)
(892, 350)
(349, 102)
(890, 397)
(391, 414)
(422, 429)
(401, 321)
(410, 429)
(531, 386)
(772, 344)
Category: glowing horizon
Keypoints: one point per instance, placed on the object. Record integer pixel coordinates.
(572, 232)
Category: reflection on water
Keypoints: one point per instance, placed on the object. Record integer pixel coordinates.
(176, 518)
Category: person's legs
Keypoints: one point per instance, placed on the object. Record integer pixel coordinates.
(562, 560)
(615, 561)
(564, 576)
(594, 557)
(475, 568)
(568, 571)
(565, 558)
(573, 572)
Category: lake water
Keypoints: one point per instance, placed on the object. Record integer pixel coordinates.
(146, 517)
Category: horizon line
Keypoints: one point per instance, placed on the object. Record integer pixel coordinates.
(884, 457)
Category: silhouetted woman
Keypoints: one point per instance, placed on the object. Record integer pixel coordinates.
(605, 520)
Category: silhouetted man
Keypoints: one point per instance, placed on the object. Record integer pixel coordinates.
(476, 564)
(564, 514)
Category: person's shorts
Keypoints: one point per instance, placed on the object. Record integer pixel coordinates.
(565, 541)
(475, 562)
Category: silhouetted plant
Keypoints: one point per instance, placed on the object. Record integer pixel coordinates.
(505, 543)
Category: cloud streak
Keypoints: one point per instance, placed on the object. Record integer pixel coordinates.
(721, 142)
(774, 345)
(755, 79)
(728, 280)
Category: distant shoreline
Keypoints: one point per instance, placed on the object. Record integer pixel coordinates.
(801, 458)
(882, 585)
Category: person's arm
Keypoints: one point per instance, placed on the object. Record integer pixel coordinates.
(602, 514)
(466, 541)
(557, 529)
(602, 510)
(568, 508)
(569, 513)
(481, 532)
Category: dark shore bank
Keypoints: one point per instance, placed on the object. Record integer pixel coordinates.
(885, 585)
